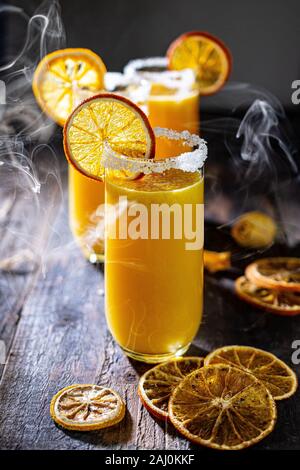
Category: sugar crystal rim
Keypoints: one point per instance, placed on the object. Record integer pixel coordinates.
(190, 161)
(134, 66)
(174, 79)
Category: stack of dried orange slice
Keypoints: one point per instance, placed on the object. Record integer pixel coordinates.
(272, 284)
(225, 401)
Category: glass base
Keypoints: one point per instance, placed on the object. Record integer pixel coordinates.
(155, 358)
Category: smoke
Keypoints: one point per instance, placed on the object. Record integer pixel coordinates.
(44, 33)
(261, 130)
(258, 169)
(30, 172)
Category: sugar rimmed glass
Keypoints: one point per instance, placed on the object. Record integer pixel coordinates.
(154, 271)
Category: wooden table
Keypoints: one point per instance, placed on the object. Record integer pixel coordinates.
(52, 322)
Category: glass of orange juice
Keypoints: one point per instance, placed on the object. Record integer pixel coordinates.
(153, 252)
(171, 98)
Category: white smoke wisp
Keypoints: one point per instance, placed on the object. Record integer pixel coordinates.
(44, 33)
(259, 126)
(272, 158)
(30, 171)
(261, 163)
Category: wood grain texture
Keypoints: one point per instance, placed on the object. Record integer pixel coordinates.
(25, 227)
(53, 321)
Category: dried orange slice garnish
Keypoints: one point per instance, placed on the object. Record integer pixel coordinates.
(277, 377)
(66, 77)
(284, 303)
(106, 119)
(86, 407)
(275, 273)
(222, 407)
(216, 261)
(254, 230)
(156, 385)
(206, 55)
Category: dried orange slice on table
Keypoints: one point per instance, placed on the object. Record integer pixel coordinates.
(86, 407)
(254, 230)
(277, 377)
(206, 55)
(106, 119)
(156, 385)
(222, 407)
(66, 77)
(275, 273)
(286, 303)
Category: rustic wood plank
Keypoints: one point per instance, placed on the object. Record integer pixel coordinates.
(24, 229)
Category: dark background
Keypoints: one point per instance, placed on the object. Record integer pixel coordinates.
(263, 35)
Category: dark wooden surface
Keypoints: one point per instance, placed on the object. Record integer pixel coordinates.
(53, 325)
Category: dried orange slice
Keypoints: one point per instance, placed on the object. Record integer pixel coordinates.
(106, 119)
(216, 261)
(279, 379)
(275, 273)
(66, 77)
(254, 230)
(206, 55)
(222, 407)
(156, 385)
(284, 303)
(86, 407)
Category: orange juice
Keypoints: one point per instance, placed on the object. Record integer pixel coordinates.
(153, 286)
(173, 109)
(85, 214)
(171, 99)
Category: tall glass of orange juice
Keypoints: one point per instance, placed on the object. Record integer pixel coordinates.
(153, 254)
(171, 98)
(86, 200)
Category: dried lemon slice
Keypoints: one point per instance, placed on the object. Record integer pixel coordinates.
(85, 407)
(254, 230)
(279, 379)
(275, 273)
(156, 385)
(284, 303)
(66, 77)
(222, 407)
(106, 119)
